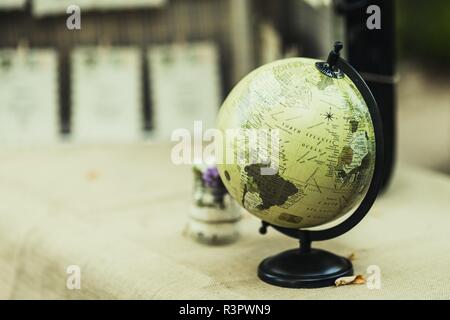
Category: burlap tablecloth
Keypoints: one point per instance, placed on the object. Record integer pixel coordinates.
(118, 212)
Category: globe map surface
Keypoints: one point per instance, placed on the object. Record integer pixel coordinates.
(326, 152)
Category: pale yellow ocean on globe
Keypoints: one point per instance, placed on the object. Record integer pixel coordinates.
(326, 151)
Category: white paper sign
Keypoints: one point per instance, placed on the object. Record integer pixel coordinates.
(12, 4)
(106, 95)
(185, 86)
(51, 7)
(28, 97)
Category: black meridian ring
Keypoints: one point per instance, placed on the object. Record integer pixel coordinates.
(318, 235)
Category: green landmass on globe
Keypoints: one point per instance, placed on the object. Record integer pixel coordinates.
(326, 150)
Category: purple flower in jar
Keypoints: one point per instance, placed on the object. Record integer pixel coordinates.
(211, 178)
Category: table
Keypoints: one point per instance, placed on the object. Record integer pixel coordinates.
(118, 212)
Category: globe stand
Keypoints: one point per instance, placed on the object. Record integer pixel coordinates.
(314, 268)
(303, 267)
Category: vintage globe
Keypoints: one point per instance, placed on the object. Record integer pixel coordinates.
(325, 157)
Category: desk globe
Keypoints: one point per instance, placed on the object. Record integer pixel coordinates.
(327, 159)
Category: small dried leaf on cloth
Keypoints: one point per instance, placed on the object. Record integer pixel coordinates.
(342, 281)
(92, 175)
(351, 256)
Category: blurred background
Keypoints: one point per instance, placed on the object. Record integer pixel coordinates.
(138, 69)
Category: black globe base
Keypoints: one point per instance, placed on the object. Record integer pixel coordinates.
(294, 268)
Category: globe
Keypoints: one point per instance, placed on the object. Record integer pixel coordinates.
(326, 144)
